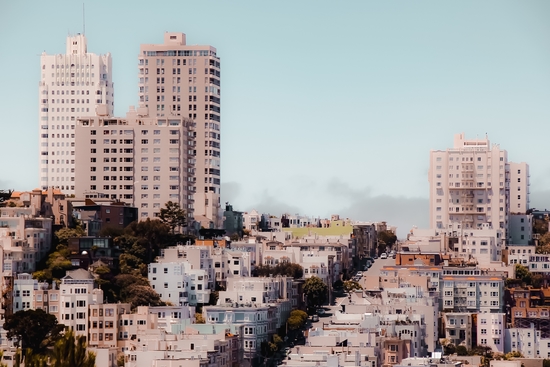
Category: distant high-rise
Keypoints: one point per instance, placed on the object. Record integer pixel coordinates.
(71, 86)
(176, 79)
(470, 186)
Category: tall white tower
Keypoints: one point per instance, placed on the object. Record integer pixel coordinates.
(71, 86)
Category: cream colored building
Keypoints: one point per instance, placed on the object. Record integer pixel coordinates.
(71, 86)
(468, 185)
(519, 187)
(180, 80)
(138, 159)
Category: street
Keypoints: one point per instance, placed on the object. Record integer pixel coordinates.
(369, 280)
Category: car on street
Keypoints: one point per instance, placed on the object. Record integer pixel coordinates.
(359, 274)
(384, 255)
(320, 311)
(315, 318)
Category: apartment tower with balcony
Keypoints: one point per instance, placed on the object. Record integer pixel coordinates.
(176, 79)
(71, 86)
(142, 160)
(469, 185)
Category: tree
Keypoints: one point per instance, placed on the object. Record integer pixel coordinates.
(284, 269)
(338, 285)
(70, 351)
(173, 216)
(136, 290)
(461, 350)
(316, 292)
(296, 319)
(143, 295)
(352, 285)
(385, 239)
(64, 234)
(544, 244)
(199, 319)
(294, 322)
(540, 226)
(299, 313)
(34, 329)
(58, 261)
(149, 235)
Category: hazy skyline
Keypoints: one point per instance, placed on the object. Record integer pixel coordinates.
(326, 107)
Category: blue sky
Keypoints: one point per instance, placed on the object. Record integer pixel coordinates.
(327, 107)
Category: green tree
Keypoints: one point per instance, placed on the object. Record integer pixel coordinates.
(136, 290)
(511, 355)
(352, 285)
(58, 262)
(70, 351)
(461, 350)
(143, 295)
(173, 216)
(540, 226)
(149, 235)
(33, 329)
(523, 274)
(316, 292)
(544, 244)
(299, 313)
(199, 319)
(64, 234)
(285, 269)
(30, 358)
(294, 322)
(277, 340)
(338, 285)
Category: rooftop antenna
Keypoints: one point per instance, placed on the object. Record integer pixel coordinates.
(83, 20)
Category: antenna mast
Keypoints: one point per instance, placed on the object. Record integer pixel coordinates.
(83, 20)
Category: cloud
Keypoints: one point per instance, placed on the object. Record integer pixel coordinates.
(5, 185)
(230, 191)
(540, 199)
(272, 205)
(402, 212)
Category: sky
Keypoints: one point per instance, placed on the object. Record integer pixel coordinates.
(327, 107)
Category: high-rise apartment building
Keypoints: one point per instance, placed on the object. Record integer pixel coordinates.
(519, 187)
(469, 185)
(176, 79)
(146, 161)
(71, 86)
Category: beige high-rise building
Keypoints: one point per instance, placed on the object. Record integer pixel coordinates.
(469, 185)
(176, 79)
(519, 188)
(146, 161)
(71, 86)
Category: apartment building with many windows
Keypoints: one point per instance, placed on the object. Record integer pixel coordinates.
(71, 86)
(138, 159)
(176, 80)
(473, 184)
(468, 185)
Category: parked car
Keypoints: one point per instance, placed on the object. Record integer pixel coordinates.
(320, 311)
(315, 318)
(384, 255)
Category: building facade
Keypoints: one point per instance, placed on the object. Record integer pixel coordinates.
(175, 80)
(141, 160)
(71, 86)
(468, 185)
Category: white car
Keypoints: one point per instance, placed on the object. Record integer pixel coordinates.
(384, 256)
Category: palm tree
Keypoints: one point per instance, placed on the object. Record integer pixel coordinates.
(70, 351)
